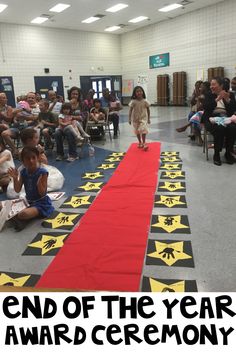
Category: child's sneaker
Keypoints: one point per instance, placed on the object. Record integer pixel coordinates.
(80, 138)
(59, 158)
(85, 135)
(72, 159)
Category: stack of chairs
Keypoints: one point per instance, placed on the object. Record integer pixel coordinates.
(179, 88)
(215, 72)
(163, 90)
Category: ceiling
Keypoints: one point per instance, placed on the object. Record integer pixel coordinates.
(23, 11)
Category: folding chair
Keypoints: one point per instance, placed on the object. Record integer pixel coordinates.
(105, 124)
(111, 125)
(207, 141)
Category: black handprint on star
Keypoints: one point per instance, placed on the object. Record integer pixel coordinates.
(49, 243)
(64, 219)
(169, 221)
(168, 252)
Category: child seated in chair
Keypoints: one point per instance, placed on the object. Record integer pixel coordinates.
(48, 122)
(97, 114)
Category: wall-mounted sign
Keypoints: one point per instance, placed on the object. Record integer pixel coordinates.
(159, 60)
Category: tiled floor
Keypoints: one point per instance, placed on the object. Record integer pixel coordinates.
(210, 197)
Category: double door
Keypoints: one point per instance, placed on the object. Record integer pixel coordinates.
(98, 84)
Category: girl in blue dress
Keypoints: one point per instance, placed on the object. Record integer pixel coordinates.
(34, 178)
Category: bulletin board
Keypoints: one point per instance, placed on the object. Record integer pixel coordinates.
(127, 88)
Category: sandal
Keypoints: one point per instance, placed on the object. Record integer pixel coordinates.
(181, 129)
(140, 145)
(145, 147)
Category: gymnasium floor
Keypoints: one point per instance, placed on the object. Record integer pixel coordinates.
(210, 196)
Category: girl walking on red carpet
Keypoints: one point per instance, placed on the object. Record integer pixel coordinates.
(139, 115)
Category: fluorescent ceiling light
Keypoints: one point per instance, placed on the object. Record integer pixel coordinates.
(117, 7)
(2, 7)
(138, 19)
(112, 29)
(170, 7)
(59, 8)
(39, 20)
(91, 19)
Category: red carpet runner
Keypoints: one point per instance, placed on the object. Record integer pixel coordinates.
(107, 250)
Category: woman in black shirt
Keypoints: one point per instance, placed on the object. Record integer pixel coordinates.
(219, 102)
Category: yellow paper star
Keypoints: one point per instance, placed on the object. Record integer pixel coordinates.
(113, 159)
(170, 166)
(169, 223)
(48, 243)
(170, 153)
(16, 282)
(117, 154)
(78, 201)
(157, 286)
(172, 186)
(93, 175)
(170, 253)
(62, 219)
(174, 175)
(91, 186)
(171, 159)
(170, 201)
(106, 166)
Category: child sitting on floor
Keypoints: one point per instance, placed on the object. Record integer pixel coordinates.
(34, 178)
(30, 138)
(6, 162)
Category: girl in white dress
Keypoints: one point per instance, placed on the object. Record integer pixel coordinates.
(139, 115)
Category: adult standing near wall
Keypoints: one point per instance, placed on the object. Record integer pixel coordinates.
(220, 103)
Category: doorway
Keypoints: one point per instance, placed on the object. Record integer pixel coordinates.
(99, 84)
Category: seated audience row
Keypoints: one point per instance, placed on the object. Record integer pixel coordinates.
(215, 108)
(54, 118)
